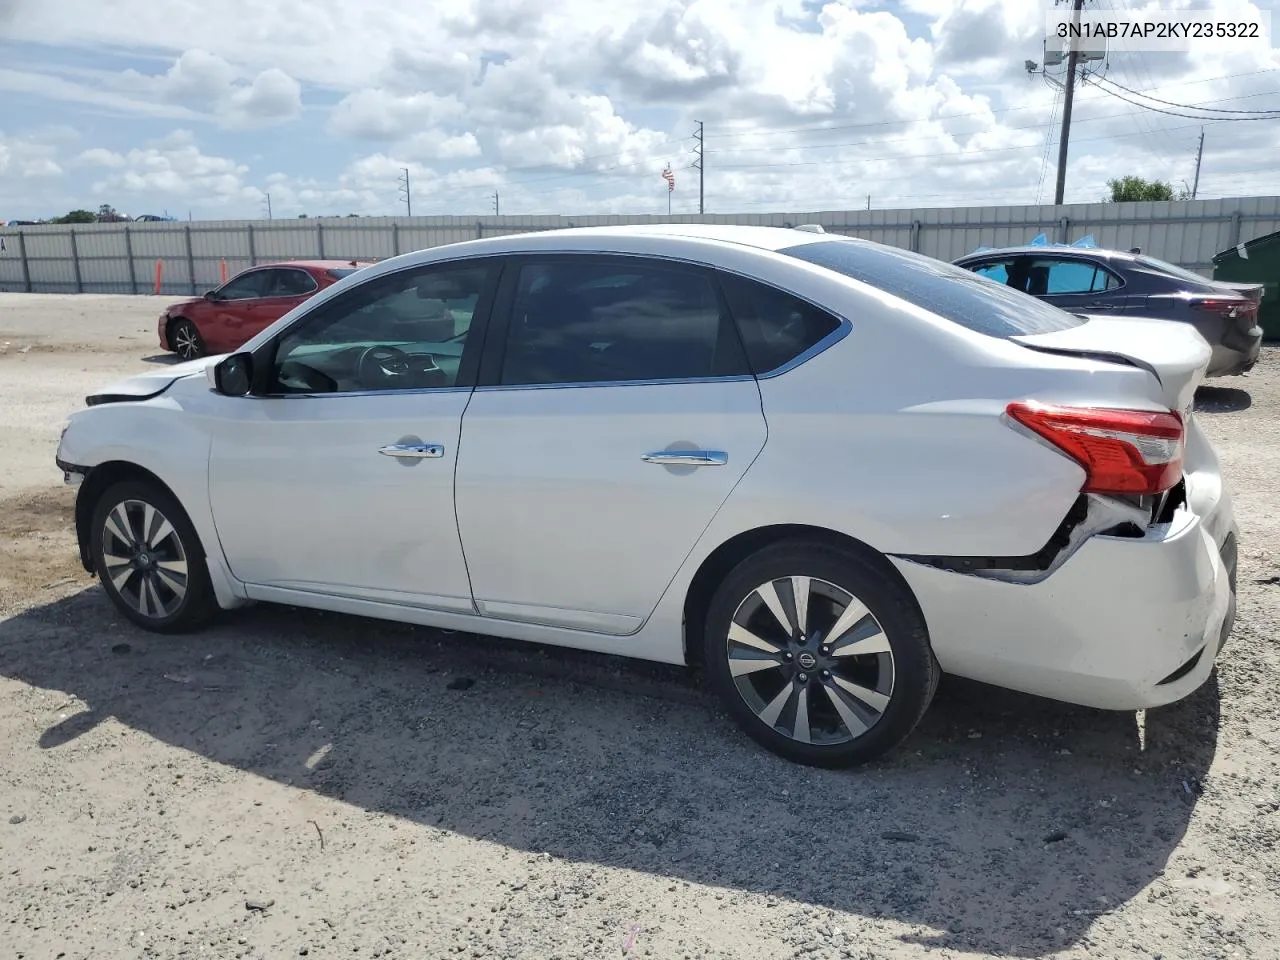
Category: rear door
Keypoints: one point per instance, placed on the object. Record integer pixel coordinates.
(1076, 284)
(615, 413)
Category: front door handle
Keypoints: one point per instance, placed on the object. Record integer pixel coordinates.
(412, 451)
(688, 458)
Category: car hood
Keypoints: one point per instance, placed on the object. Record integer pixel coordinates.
(150, 383)
(183, 303)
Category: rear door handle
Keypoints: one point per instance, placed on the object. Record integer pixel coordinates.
(688, 458)
(412, 451)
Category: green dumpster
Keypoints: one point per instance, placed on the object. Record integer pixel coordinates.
(1257, 261)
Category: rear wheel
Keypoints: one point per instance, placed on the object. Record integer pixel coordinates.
(185, 339)
(819, 654)
(149, 559)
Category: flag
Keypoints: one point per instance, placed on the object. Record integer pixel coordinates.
(669, 176)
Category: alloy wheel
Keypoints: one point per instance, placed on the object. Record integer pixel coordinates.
(144, 558)
(810, 660)
(186, 341)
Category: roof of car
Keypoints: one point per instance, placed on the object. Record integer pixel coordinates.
(313, 264)
(1045, 249)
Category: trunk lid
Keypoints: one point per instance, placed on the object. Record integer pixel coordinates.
(1173, 352)
(1251, 290)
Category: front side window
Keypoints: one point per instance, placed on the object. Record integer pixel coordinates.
(593, 320)
(247, 286)
(403, 331)
(1050, 276)
(776, 327)
(1001, 271)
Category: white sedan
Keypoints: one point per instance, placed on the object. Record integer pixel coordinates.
(821, 469)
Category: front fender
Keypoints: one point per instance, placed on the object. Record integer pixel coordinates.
(156, 437)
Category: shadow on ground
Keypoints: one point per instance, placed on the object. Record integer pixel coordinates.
(165, 359)
(1006, 823)
(1222, 400)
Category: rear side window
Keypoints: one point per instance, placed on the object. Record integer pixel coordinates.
(613, 319)
(951, 292)
(775, 326)
(1051, 276)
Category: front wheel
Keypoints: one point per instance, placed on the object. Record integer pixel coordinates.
(185, 340)
(819, 654)
(149, 559)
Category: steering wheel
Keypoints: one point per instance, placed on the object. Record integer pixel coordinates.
(381, 364)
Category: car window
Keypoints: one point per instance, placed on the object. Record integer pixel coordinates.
(948, 291)
(291, 282)
(603, 319)
(246, 286)
(337, 273)
(776, 327)
(1050, 276)
(1151, 263)
(403, 331)
(1004, 271)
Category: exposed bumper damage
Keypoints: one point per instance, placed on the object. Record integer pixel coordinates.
(1126, 607)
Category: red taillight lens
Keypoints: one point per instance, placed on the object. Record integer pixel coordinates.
(1225, 308)
(1122, 451)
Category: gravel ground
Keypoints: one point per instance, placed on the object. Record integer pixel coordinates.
(298, 784)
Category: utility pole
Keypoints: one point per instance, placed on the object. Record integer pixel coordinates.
(868, 201)
(404, 188)
(698, 152)
(1073, 59)
(268, 206)
(495, 203)
(1195, 184)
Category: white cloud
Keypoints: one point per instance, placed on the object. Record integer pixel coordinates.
(375, 114)
(435, 145)
(173, 166)
(273, 96)
(29, 157)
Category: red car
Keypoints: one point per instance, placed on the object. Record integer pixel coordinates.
(225, 318)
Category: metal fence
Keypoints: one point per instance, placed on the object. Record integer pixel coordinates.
(187, 258)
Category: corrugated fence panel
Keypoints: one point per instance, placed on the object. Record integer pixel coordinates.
(1183, 232)
(272, 242)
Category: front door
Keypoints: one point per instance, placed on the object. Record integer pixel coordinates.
(618, 415)
(337, 477)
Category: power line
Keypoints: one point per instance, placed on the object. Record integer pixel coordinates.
(1252, 114)
(1173, 113)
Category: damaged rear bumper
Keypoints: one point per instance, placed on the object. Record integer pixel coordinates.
(1126, 622)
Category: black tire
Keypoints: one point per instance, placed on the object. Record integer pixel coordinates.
(146, 588)
(185, 339)
(897, 682)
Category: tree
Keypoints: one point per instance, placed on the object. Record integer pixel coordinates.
(1132, 189)
(77, 216)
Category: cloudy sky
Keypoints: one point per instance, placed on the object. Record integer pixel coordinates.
(576, 106)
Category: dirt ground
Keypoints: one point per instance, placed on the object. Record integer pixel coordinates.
(298, 784)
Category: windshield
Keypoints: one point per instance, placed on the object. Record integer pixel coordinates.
(951, 292)
(339, 272)
(1151, 263)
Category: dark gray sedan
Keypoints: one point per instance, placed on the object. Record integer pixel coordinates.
(1111, 283)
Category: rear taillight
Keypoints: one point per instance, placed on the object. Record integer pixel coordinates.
(1122, 451)
(1231, 309)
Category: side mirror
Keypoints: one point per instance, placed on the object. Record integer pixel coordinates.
(233, 377)
(211, 294)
